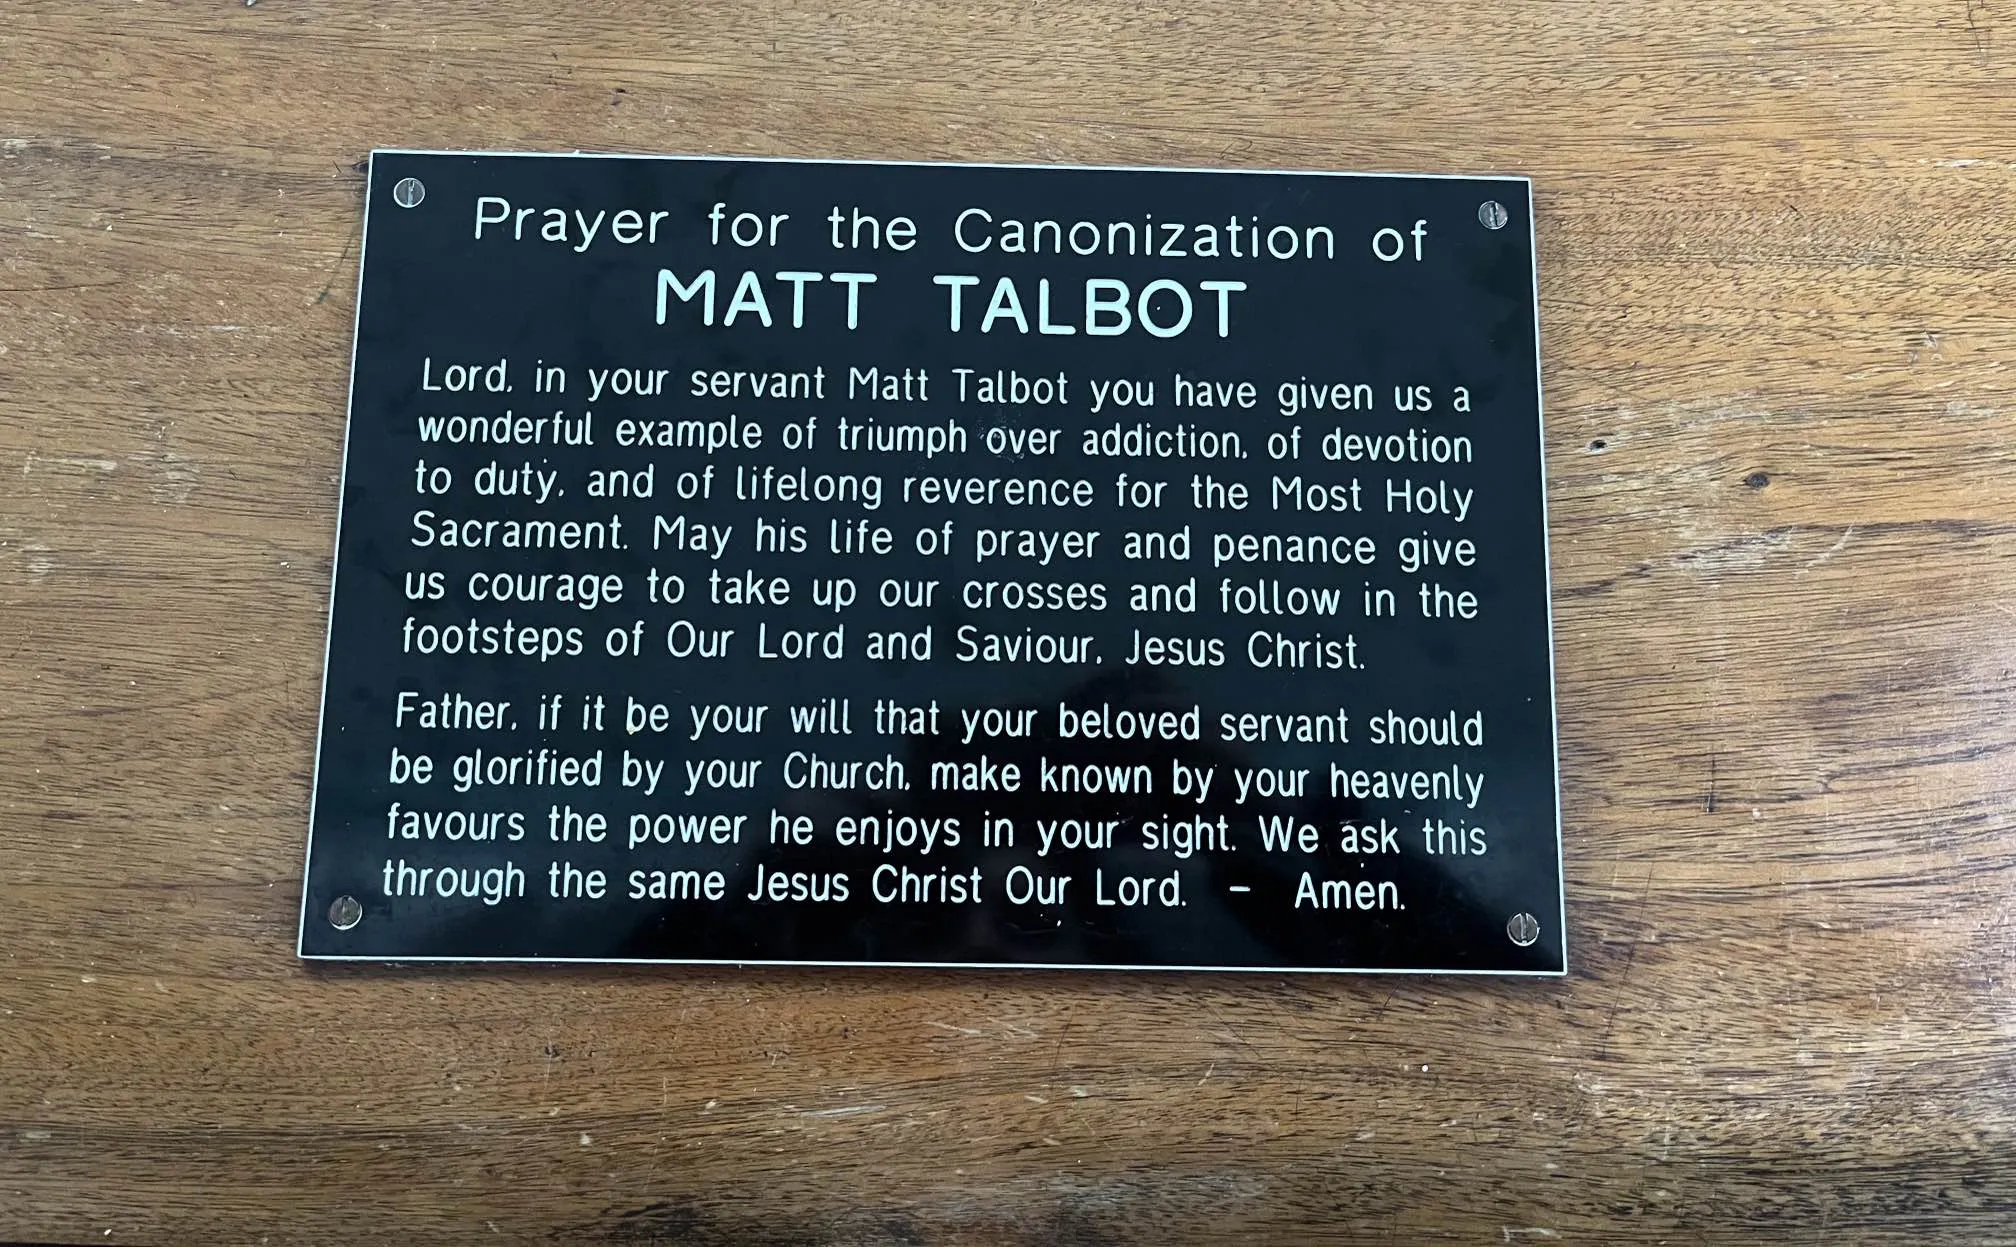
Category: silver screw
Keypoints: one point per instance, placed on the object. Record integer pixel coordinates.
(345, 912)
(410, 191)
(1490, 214)
(1523, 929)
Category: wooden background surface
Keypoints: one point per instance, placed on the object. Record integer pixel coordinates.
(1778, 250)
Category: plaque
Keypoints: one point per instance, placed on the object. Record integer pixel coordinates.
(833, 563)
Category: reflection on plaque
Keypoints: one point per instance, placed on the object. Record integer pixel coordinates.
(815, 562)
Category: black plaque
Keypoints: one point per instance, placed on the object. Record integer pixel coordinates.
(849, 563)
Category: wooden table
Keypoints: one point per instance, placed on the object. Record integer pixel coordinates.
(1778, 291)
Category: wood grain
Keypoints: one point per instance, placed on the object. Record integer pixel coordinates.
(1778, 249)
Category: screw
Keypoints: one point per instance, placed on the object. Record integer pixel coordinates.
(345, 912)
(410, 191)
(1491, 214)
(1523, 929)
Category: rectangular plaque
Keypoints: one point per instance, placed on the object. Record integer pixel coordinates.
(809, 562)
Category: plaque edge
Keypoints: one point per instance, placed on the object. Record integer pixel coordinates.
(697, 157)
(1445, 972)
(1547, 570)
(335, 556)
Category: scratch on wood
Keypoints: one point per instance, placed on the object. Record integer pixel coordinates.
(341, 262)
(1830, 551)
(1983, 33)
(1610, 1023)
(848, 1111)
